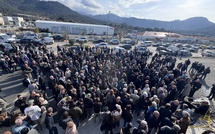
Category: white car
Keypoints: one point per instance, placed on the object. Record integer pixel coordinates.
(101, 45)
(81, 39)
(4, 38)
(47, 40)
(208, 53)
(114, 41)
(142, 50)
(117, 49)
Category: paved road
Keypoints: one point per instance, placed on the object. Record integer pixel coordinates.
(11, 85)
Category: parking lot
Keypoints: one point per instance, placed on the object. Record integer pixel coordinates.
(11, 87)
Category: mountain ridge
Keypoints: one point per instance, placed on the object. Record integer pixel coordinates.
(54, 10)
(190, 24)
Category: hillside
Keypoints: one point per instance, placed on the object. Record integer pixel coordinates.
(192, 24)
(50, 9)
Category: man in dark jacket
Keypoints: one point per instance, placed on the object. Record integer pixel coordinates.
(88, 104)
(97, 109)
(152, 120)
(75, 113)
(21, 103)
(165, 111)
(49, 122)
(196, 86)
(127, 115)
(212, 93)
(200, 111)
(205, 72)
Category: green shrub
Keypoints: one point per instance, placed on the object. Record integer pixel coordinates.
(71, 42)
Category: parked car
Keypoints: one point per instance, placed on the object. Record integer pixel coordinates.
(114, 42)
(185, 53)
(126, 46)
(101, 45)
(75, 48)
(142, 49)
(174, 48)
(156, 44)
(7, 46)
(147, 43)
(58, 37)
(161, 48)
(98, 41)
(35, 41)
(194, 49)
(208, 53)
(4, 38)
(47, 40)
(118, 49)
(167, 52)
(81, 39)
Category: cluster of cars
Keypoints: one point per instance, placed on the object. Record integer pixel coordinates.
(10, 42)
(125, 44)
(174, 50)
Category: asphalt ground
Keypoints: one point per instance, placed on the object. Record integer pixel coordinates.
(11, 85)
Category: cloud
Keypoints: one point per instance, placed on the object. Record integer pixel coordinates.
(129, 3)
(91, 4)
(83, 6)
(149, 9)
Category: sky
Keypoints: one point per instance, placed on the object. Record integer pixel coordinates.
(166, 10)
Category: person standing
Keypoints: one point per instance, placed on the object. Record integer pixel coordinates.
(212, 93)
(49, 122)
(3, 103)
(205, 72)
(71, 128)
(184, 122)
(186, 91)
(196, 86)
(33, 112)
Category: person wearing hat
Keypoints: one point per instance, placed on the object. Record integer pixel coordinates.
(212, 93)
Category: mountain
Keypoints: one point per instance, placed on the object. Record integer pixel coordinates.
(191, 24)
(51, 9)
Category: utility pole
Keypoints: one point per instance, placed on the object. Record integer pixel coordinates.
(108, 26)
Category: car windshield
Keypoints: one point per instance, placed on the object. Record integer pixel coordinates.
(5, 36)
(142, 48)
(7, 45)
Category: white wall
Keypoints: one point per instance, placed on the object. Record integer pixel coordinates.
(75, 28)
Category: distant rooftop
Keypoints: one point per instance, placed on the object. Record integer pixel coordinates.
(67, 23)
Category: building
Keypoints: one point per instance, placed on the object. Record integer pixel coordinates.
(74, 28)
(13, 21)
(151, 35)
(18, 21)
(8, 20)
(1, 20)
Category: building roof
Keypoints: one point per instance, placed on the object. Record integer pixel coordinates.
(69, 23)
(155, 34)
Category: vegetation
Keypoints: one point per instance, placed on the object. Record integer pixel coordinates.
(57, 11)
(71, 42)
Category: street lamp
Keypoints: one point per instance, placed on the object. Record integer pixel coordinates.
(107, 25)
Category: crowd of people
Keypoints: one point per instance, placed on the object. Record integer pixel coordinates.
(109, 87)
